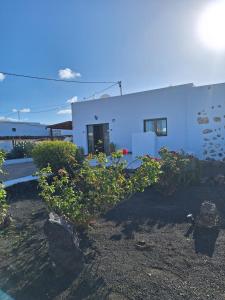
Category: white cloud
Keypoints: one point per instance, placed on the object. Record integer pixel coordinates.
(72, 100)
(67, 73)
(2, 76)
(64, 112)
(23, 110)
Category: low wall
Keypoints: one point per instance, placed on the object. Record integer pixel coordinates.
(17, 161)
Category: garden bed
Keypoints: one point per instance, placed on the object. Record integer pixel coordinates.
(169, 268)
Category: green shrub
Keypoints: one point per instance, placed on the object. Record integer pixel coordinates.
(178, 169)
(21, 150)
(94, 189)
(112, 148)
(57, 154)
(80, 155)
(3, 204)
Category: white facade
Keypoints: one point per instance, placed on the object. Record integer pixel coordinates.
(28, 131)
(195, 120)
(11, 128)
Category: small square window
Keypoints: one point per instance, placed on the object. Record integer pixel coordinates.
(159, 126)
(13, 129)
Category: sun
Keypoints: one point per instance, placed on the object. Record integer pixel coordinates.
(211, 26)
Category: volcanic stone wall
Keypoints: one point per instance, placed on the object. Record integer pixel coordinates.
(212, 122)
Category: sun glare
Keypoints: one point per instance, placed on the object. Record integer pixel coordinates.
(211, 27)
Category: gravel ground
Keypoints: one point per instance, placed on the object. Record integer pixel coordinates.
(175, 264)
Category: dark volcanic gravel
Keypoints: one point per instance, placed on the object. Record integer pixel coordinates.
(171, 265)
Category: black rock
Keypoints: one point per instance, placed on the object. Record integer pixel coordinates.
(64, 249)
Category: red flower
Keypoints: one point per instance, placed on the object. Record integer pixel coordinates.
(125, 151)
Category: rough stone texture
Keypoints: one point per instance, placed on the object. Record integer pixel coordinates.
(217, 119)
(215, 146)
(206, 131)
(208, 216)
(220, 179)
(203, 120)
(6, 222)
(64, 247)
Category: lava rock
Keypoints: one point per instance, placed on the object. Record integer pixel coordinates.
(6, 222)
(64, 248)
(208, 216)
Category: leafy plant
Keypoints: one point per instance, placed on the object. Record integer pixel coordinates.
(57, 154)
(112, 148)
(178, 169)
(94, 189)
(3, 205)
(80, 154)
(21, 150)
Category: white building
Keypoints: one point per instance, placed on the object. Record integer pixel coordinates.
(13, 131)
(185, 117)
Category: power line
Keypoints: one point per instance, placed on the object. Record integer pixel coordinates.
(58, 80)
(56, 107)
(59, 106)
(51, 109)
(101, 91)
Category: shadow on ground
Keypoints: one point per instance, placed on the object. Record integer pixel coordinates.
(159, 211)
(165, 272)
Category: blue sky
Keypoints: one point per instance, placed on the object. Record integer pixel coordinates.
(145, 43)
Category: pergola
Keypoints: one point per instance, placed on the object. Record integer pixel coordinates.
(63, 125)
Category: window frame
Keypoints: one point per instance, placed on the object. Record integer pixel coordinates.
(155, 125)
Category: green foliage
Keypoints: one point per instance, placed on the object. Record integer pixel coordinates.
(112, 148)
(21, 150)
(178, 169)
(3, 204)
(92, 190)
(57, 154)
(80, 155)
(2, 158)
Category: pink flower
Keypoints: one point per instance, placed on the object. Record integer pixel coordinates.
(125, 151)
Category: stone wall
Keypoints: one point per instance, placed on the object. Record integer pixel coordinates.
(212, 122)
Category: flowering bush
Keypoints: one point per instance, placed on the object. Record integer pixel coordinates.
(178, 169)
(3, 204)
(94, 189)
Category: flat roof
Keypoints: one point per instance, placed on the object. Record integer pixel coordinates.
(63, 125)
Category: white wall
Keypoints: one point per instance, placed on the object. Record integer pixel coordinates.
(126, 115)
(6, 145)
(206, 137)
(22, 129)
(143, 143)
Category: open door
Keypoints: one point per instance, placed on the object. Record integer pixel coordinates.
(98, 138)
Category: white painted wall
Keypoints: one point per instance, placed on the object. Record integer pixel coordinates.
(22, 129)
(126, 115)
(143, 143)
(207, 101)
(6, 145)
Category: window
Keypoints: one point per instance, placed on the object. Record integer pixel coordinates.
(159, 126)
(13, 129)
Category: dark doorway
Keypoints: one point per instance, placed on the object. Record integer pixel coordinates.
(98, 138)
